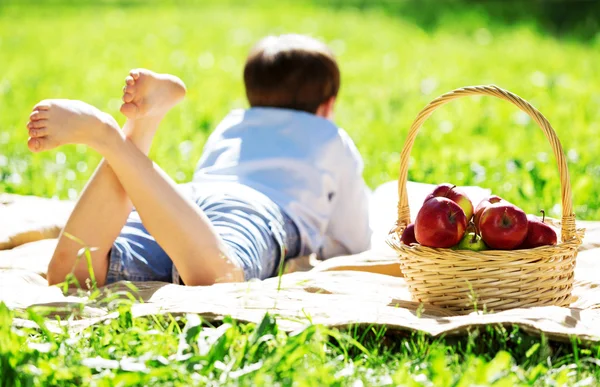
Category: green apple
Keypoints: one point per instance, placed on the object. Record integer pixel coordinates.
(471, 241)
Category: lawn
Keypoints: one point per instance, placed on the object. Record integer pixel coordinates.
(391, 67)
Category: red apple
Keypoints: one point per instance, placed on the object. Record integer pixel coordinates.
(440, 223)
(503, 226)
(538, 233)
(408, 236)
(485, 203)
(458, 196)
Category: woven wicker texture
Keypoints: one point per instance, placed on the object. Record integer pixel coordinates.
(493, 279)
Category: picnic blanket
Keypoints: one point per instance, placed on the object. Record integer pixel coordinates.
(363, 289)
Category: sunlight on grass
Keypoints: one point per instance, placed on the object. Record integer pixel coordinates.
(391, 69)
(181, 351)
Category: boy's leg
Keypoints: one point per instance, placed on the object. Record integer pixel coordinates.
(104, 206)
(176, 223)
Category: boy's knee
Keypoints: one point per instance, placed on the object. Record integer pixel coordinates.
(57, 272)
(65, 261)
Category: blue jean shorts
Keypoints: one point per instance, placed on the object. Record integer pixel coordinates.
(256, 231)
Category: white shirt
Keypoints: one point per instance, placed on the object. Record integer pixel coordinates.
(305, 164)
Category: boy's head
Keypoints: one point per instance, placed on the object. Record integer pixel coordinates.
(293, 72)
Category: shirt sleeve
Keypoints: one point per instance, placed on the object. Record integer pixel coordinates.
(348, 231)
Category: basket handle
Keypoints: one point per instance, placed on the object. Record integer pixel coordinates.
(568, 227)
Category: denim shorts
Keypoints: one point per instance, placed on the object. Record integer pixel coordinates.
(255, 230)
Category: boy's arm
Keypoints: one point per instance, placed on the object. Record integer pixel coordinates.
(348, 231)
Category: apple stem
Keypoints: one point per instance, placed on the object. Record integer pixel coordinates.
(474, 239)
(450, 190)
(471, 228)
(543, 215)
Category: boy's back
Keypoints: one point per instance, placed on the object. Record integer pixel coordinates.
(304, 163)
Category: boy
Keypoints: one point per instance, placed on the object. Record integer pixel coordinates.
(276, 180)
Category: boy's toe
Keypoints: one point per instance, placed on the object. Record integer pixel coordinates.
(127, 97)
(129, 110)
(129, 80)
(36, 144)
(33, 144)
(38, 115)
(42, 105)
(128, 89)
(135, 74)
(35, 133)
(37, 124)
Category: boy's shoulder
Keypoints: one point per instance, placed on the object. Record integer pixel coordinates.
(269, 120)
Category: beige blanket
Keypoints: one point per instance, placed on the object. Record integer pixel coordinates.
(360, 289)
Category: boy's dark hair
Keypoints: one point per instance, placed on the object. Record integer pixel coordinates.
(291, 71)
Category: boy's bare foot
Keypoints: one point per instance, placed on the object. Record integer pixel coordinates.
(147, 93)
(56, 122)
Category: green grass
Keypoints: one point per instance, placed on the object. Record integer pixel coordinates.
(391, 68)
(182, 351)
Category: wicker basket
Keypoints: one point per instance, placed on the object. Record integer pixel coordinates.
(491, 280)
